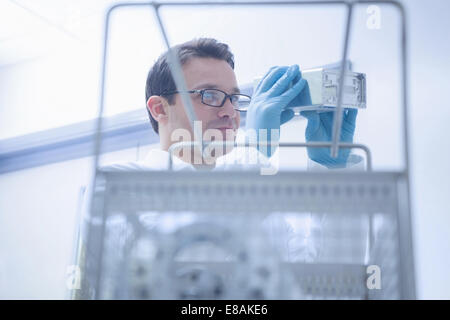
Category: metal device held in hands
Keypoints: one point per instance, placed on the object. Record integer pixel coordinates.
(323, 86)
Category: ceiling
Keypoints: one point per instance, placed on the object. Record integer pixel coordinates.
(30, 28)
(34, 28)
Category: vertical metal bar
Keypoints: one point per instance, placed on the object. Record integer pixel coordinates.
(337, 121)
(405, 89)
(405, 227)
(99, 278)
(406, 266)
(97, 147)
(98, 135)
(177, 73)
(409, 279)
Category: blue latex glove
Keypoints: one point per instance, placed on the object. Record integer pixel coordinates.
(304, 98)
(268, 107)
(319, 129)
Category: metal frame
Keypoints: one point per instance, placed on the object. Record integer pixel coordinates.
(363, 147)
(360, 192)
(404, 220)
(179, 80)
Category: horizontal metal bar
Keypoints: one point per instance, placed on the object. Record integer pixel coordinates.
(246, 3)
(363, 147)
(225, 3)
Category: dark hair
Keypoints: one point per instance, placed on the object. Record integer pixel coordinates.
(160, 80)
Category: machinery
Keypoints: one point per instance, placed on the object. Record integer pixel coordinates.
(243, 235)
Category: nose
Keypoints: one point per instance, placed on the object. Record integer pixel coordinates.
(227, 109)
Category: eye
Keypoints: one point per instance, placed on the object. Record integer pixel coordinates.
(240, 101)
(212, 97)
(235, 100)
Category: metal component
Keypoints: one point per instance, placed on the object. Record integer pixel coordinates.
(337, 121)
(177, 72)
(345, 197)
(270, 3)
(185, 144)
(324, 88)
(191, 236)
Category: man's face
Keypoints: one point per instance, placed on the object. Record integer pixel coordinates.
(207, 73)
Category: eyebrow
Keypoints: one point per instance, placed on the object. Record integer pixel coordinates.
(213, 86)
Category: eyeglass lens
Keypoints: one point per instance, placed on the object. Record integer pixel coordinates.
(216, 98)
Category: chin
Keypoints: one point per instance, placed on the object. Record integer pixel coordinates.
(226, 148)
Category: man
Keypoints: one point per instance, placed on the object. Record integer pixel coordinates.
(208, 69)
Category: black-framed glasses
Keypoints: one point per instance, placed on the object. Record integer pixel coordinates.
(217, 98)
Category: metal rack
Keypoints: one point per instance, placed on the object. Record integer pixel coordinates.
(375, 205)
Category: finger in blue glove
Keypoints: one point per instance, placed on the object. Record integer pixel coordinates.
(303, 98)
(320, 129)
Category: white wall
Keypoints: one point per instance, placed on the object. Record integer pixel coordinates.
(38, 205)
(38, 224)
(430, 153)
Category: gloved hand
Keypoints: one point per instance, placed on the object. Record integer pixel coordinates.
(304, 98)
(268, 107)
(319, 129)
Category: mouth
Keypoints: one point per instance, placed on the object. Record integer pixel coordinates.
(224, 127)
(226, 133)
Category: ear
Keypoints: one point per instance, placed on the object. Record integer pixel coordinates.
(157, 107)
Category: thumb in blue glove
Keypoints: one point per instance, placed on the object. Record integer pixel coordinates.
(319, 129)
